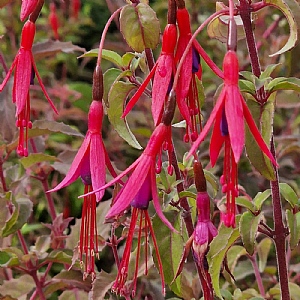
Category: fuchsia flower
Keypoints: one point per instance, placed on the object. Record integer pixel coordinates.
(203, 234)
(25, 69)
(228, 118)
(89, 164)
(137, 192)
(186, 91)
(27, 8)
(162, 72)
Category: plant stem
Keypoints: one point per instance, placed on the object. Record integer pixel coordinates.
(183, 201)
(280, 231)
(280, 234)
(257, 275)
(49, 198)
(245, 13)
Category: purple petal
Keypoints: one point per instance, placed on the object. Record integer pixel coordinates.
(97, 164)
(132, 187)
(116, 179)
(235, 120)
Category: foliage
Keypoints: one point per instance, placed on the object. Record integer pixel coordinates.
(49, 245)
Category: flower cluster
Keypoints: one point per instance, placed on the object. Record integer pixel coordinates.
(175, 76)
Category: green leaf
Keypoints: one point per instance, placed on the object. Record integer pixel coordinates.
(170, 246)
(263, 250)
(8, 260)
(263, 117)
(245, 202)
(288, 194)
(268, 71)
(291, 10)
(109, 55)
(140, 27)
(116, 98)
(260, 198)
(19, 217)
(62, 257)
(44, 127)
(35, 158)
(247, 86)
(109, 77)
(248, 229)
(293, 222)
(283, 83)
(217, 252)
(233, 255)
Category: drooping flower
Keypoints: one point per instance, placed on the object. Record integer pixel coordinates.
(186, 91)
(89, 164)
(141, 222)
(53, 20)
(137, 192)
(25, 70)
(162, 72)
(27, 8)
(203, 234)
(91, 158)
(228, 118)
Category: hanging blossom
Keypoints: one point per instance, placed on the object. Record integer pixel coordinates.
(162, 72)
(25, 70)
(186, 90)
(227, 119)
(137, 192)
(89, 164)
(27, 7)
(203, 234)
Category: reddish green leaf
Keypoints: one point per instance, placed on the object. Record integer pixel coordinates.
(116, 98)
(263, 117)
(23, 209)
(248, 229)
(8, 260)
(140, 27)
(291, 10)
(50, 48)
(35, 158)
(74, 295)
(73, 278)
(18, 288)
(44, 127)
